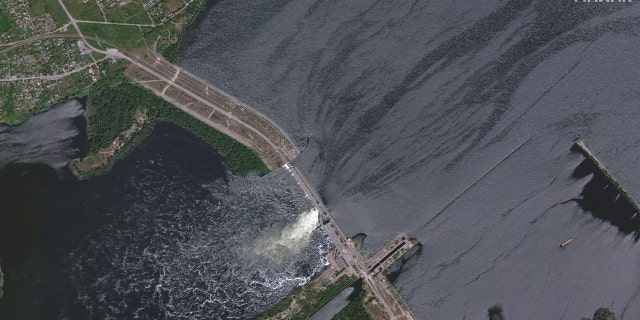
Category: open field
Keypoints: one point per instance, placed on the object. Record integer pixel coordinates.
(81, 10)
(126, 37)
(131, 12)
(40, 7)
(5, 21)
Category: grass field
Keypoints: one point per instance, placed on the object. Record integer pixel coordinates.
(126, 37)
(83, 10)
(132, 12)
(5, 21)
(39, 7)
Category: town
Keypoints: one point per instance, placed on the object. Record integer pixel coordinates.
(44, 59)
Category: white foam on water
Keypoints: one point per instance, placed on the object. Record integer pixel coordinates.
(292, 239)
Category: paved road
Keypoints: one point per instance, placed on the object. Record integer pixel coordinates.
(117, 23)
(350, 254)
(184, 82)
(187, 83)
(41, 36)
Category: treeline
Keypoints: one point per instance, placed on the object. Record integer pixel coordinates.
(602, 314)
(241, 159)
(313, 300)
(116, 100)
(115, 114)
(354, 310)
(170, 52)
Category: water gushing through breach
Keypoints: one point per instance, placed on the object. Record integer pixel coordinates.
(277, 242)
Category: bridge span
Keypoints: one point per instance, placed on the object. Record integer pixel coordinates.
(226, 114)
(369, 270)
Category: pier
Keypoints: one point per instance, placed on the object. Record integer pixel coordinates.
(580, 146)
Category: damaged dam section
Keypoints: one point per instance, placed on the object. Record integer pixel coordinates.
(342, 291)
(604, 196)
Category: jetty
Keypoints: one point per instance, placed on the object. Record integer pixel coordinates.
(580, 146)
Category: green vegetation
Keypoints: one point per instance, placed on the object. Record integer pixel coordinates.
(5, 21)
(126, 37)
(8, 95)
(170, 52)
(21, 99)
(131, 12)
(15, 107)
(117, 99)
(604, 314)
(354, 310)
(171, 36)
(39, 7)
(82, 10)
(132, 37)
(120, 103)
(309, 299)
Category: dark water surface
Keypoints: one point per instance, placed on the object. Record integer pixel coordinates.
(168, 233)
(50, 138)
(453, 121)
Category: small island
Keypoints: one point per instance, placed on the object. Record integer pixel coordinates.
(602, 314)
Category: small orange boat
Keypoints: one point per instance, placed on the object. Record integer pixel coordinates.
(566, 242)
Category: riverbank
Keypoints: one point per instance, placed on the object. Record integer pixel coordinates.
(126, 113)
(57, 71)
(304, 301)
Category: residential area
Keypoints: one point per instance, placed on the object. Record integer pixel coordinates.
(45, 61)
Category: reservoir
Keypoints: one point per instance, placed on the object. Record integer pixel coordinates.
(169, 232)
(453, 121)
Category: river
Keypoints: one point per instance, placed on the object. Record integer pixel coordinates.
(168, 233)
(453, 121)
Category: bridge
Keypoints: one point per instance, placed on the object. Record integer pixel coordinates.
(369, 270)
(225, 113)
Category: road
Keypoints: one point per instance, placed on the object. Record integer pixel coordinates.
(278, 142)
(352, 257)
(117, 23)
(53, 76)
(178, 79)
(185, 82)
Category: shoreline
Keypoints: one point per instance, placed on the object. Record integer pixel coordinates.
(104, 158)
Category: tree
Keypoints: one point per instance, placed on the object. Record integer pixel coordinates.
(604, 314)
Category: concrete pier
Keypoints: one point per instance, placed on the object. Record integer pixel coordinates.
(580, 146)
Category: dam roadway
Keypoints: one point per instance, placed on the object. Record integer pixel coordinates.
(226, 114)
(256, 131)
(241, 122)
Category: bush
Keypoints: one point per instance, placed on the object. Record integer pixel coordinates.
(603, 314)
(116, 101)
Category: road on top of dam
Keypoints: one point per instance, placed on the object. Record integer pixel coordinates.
(260, 134)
